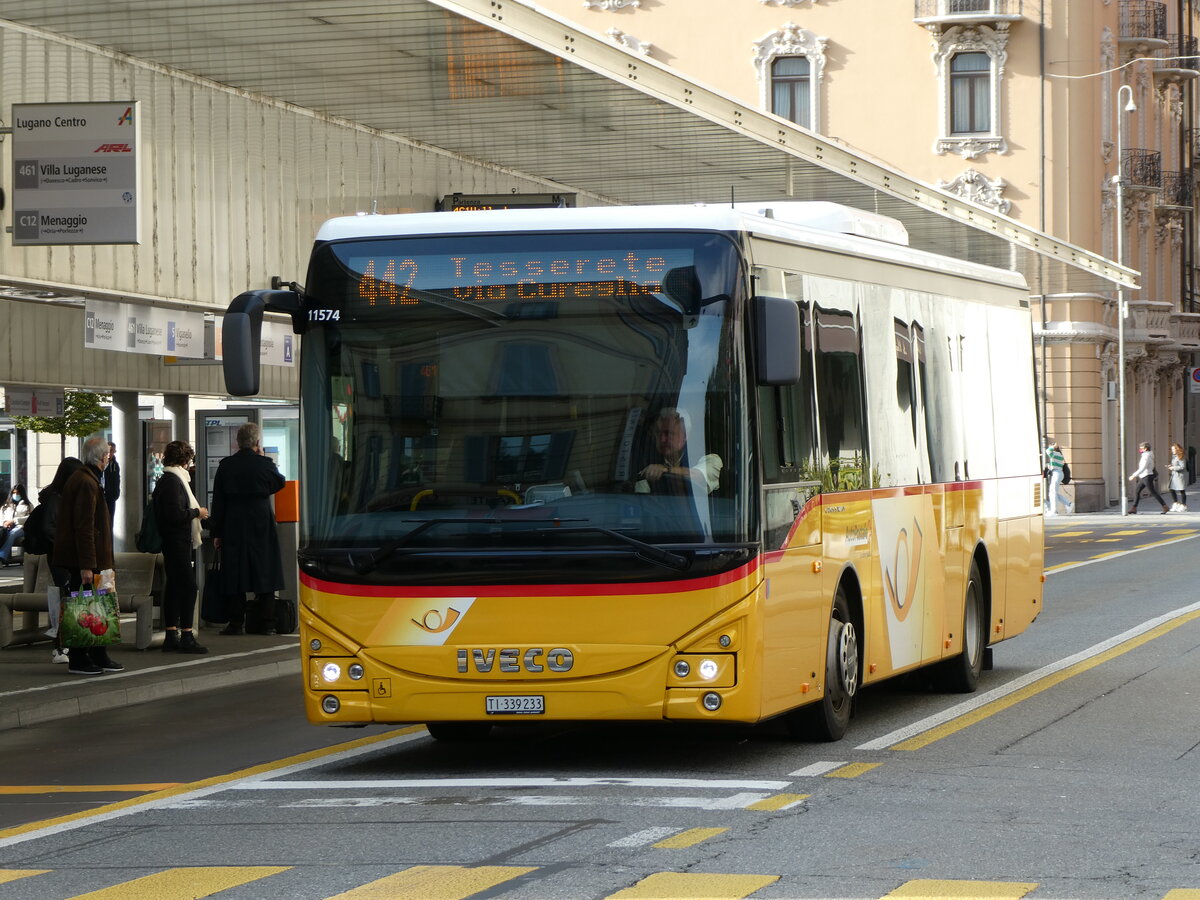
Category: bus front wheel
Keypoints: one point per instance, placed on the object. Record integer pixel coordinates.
(960, 675)
(829, 718)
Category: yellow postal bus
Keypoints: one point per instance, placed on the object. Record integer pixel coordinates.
(679, 463)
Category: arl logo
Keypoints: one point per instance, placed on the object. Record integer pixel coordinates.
(126, 117)
(113, 148)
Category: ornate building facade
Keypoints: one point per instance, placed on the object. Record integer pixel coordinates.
(1028, 107)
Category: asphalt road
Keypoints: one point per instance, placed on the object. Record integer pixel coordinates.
(1072, 773)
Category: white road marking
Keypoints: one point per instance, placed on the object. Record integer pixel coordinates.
(816, 769)
(736, 801)
(645, 837)
(961, 709)
(443, 783)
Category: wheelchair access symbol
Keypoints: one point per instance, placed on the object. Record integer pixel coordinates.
(381, 687)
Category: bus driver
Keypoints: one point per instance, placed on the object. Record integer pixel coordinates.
(670, 442)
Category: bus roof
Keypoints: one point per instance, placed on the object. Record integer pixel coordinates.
(821, 225)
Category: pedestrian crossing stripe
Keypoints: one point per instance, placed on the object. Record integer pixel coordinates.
(689, 838)
(779, 801)
(928, 889)
(200, 881)
(853, 770)
(443, 882)
(7, 875)
(694, 886)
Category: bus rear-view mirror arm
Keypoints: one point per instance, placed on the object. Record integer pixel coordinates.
(241, 336)
(777, 335)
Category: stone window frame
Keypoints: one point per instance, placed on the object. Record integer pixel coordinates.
(971, 39)
(792, 40)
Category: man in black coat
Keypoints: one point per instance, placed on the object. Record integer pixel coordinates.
(112, 482)
(242, 524)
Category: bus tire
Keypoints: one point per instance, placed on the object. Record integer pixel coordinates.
(458, 732)
(960, 675)
(829, 718)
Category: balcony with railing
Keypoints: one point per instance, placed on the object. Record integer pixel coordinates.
(1178, 61)
(1176, 190)
(1143, 23)
(1141, 170)
(966, 12)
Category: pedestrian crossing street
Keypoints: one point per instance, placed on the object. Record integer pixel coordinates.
(442, 882)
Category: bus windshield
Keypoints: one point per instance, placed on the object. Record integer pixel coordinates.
(578, 396)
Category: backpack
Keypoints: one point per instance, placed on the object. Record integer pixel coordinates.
(39, 527)
(148, 539)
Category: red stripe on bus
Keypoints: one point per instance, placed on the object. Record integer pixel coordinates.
(533, 590)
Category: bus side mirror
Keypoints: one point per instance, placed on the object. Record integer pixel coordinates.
(778, 338)
(241, 336)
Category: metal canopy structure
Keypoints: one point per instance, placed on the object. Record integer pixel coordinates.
(506, 83)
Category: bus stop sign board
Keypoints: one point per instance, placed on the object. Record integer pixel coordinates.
(75, 173)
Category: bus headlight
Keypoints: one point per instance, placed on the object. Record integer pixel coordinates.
(708, 669)
(331, 672)
(355, 672)
(330, 704)
(682, 668)
(711, 701)
(314, 645)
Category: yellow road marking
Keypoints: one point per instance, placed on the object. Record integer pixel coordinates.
(1070, 533)
(263, 769)
(1109, 553)
(1182, 531)
(990, 709)
(184, 884)
(779, 801)
(85, 788)
(1182, 894)
(1107, 540)
(7, 875)
(435, 883)
(1127, 533)
(929, 889)
(688, 838)
(694, 886)
(852, 770)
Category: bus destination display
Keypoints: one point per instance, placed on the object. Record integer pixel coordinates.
(393, 280)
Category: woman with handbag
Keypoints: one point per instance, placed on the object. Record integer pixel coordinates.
(178, 517)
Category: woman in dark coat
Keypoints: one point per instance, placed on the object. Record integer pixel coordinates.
(178, 517)
(243, 529)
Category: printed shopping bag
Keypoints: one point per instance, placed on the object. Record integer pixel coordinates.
(89, 620)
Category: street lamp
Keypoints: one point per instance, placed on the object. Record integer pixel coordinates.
(1122, 311)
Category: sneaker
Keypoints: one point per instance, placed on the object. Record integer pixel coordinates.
(57, 656)
(107, 663)
(187, 644)
(84, 667)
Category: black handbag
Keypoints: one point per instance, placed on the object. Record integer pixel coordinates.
(286, 617)
(214, 606)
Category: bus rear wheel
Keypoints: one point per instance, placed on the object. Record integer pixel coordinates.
(960, 675)
(458, 732)
(829, 718)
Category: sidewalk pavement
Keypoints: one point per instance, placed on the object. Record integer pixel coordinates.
(33, 689)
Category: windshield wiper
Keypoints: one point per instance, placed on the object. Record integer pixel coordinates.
(645, 551)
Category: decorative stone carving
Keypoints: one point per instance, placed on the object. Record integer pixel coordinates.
(968, 39)
(975, 186)
(792, 40)
(609, 5)
(629, 42)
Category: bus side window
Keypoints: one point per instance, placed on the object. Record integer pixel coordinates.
(841, 401)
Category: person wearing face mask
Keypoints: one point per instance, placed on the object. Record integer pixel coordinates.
(12, 520)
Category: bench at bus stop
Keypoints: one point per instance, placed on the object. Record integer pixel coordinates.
(139, 589)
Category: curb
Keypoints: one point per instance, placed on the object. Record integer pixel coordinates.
(33, 706)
